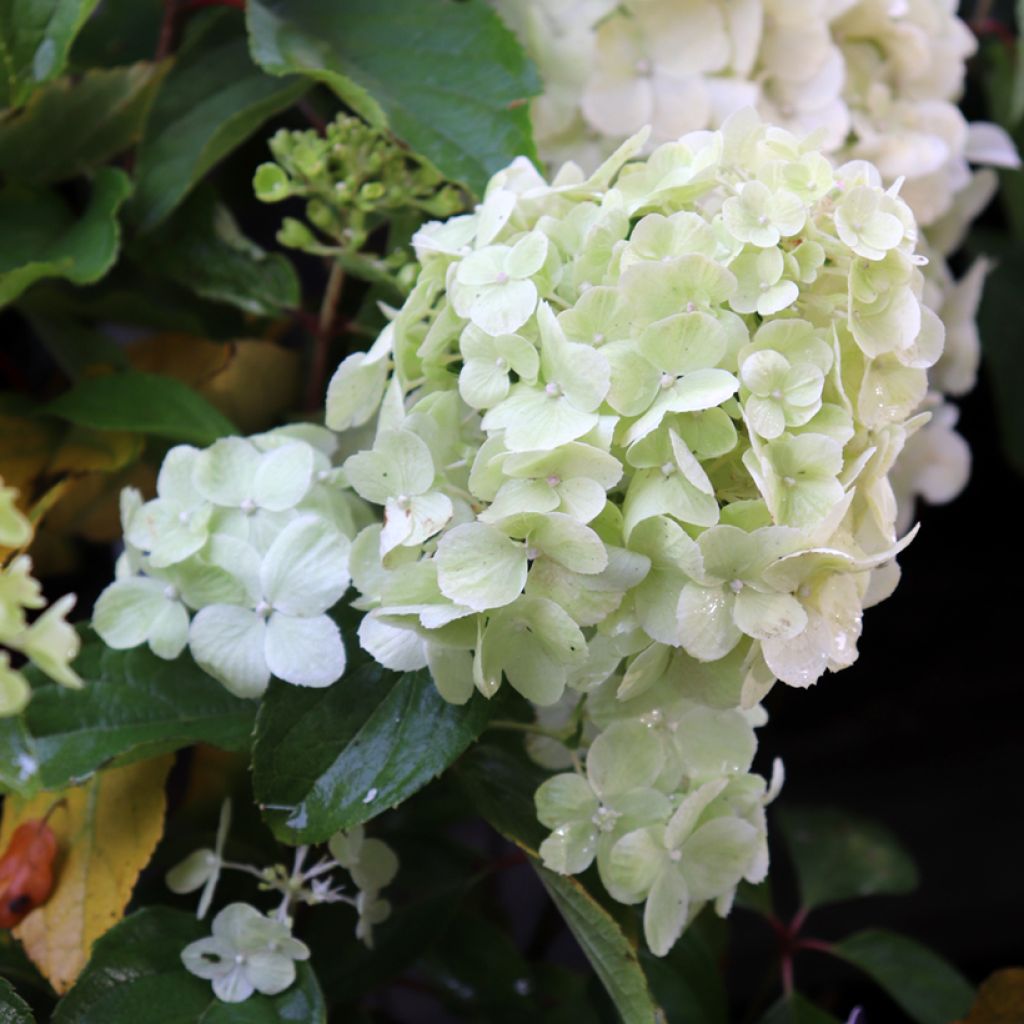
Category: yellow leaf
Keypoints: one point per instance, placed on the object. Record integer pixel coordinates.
(1000, 999)
(107, 833)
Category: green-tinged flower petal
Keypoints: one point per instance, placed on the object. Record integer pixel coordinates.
(304, 651)
(305, 571)
(283, 477)
(666, 911)
(634, 864)
(128, 610)
(14, 690)
(193, 872)
(564, 798)
(624, 757)
(224, 472)
(705, 622)
(479, 567)
(376, 867)
(229, 642)
(570, 848)
(452, 672)
(399, 463)
(717, 855)
(570, 543)
(269, 972)
(683, 342)
(769, 616)
(714, 742)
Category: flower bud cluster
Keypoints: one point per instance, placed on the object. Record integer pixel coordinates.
(252, 536)
(631, 438)
(48, 641)
(874, 79)
(352, 177)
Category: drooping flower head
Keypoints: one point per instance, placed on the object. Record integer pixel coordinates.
(631, 437)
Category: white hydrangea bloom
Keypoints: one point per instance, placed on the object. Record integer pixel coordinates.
(640, 452)
(876, 80)
(239, 558)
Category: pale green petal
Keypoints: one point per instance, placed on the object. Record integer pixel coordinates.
(517, 497)
(684, 342)
(399, 463)
(717, 856)
(536, 421)
(376, 867)
(356, 389)
(228, 643)
(174, 481)
(394, 647)
(646, 669)
(305, 571)
(766, 416)
(304, 651)
(769, 616)
(479, 567)
(452, 672)
(715, 742)
(706, 627)
(635, 862)
(411, 522)
(581, 498)
(168, 634)
(570, 848)
(527, 255)
(128, 609)
(688, 813)
(634, 382)
(666, 911)
(483, 384)
(563, 798)
(14, 690)
(270, 972)
(193, 872)
(283, 477)
(569, 543)
(653, 492)
(625, 756)
(224, 472)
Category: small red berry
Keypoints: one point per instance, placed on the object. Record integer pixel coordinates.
(26, 871)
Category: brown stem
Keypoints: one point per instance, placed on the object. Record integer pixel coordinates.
(322, 338)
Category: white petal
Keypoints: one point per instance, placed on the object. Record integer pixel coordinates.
(304, 651)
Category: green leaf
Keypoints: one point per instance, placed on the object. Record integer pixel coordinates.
(796, 1009)
(135, 974)
(13, 1009)
(688, 983)
(41, 237)
(212, 101)
(610, 953)
(202, 248)
(840, 856)
(35, 37)
(120, 32)
(146, 403)
(71, 126)
(929, 989)
(448, 78)
(500, 781)
(329, 759)
(133, 705)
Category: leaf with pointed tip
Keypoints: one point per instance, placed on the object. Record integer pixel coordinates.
(930, 990)
(796, 1009)
(328, 759)
(133, 705)
(13, 1009)
(143, 403)
(213, 99)
(840, 856)
(40, 237)
(447, 78)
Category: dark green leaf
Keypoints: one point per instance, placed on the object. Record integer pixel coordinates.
(13, 1009)
(501, 782)
(999, 319)
(329, 759)
(212, 101)
(133, 705)
(145, 403)
(610, 953)
(757, 898)
(796, 1009)
(840, 856)
(120, 32)
(35, 37)
(929, 988)
(448, 78)
(69, 127)
(40, 236)
(135, 975)
(202, 248)
(687, 982)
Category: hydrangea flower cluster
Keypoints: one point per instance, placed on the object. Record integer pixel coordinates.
(252, 536)
(249, 951)
(631, 439)
(49, 642)
(874, 79)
